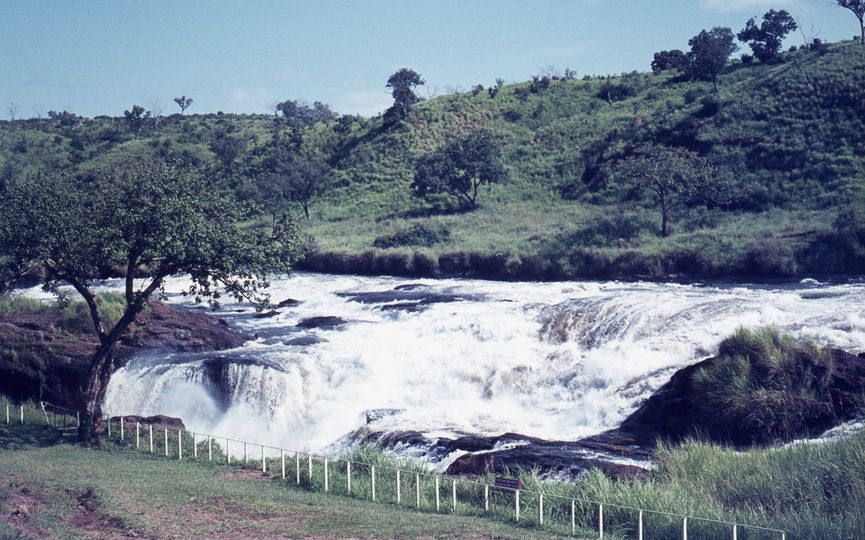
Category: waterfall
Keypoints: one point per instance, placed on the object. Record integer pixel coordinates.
(557, 360)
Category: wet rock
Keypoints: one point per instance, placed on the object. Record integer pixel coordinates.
(157, 421)
(408, 297)
(289, 302)
(618, 456)
(376, 414)
(49, 365)
(266, 314)
(327, 322)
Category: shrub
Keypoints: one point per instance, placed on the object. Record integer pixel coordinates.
(416, 235)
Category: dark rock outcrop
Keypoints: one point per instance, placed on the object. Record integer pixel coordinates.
(39, 362)
(672, 413)
(159, 421)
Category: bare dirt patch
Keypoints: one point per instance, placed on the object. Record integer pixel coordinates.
(24, 503)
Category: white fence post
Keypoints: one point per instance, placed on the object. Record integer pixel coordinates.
(372, 468)
(325, 475)
(151, 438)
(227, 453)
(121, 428)
(600, 521)
(541, 509)
(573, 517)
(684, 528)
(297, 466)
(245, 454)
(397, 487)
(640, 528)
(454, 492)
(417, 489)
(179, 444)
(309, 468)
(195, 445)
(282, 460)
(734, 532)
(437, 493)
(209, 448)
(137, 435)
(166, 442)
(486, 498)
(263, 461)
(348, 477)
(517, 504)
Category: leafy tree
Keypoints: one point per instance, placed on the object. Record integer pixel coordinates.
(766, 40)
(709, 53)
(136, 118)
(183, 102)
(667, 60)
(65, 118)
(159, 220)
(298, 113)
(227, 148)
(675, 175)
(460, 168)
(858, 9)
(402, 85)
(291, 178)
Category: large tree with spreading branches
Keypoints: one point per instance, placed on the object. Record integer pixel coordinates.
(154, 221)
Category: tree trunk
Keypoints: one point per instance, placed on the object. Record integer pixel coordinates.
(101, 366)
(665, 215)
(306, 209)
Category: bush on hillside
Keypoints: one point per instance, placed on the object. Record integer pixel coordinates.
(416, 235)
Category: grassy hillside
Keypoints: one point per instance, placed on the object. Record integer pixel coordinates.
(792, 134)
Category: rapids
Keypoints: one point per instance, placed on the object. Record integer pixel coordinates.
(558, 360)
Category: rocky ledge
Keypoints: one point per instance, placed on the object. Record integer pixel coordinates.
(37, 361)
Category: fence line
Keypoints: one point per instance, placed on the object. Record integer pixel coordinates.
(467, 497)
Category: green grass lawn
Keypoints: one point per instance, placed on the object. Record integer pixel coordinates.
(51, 487)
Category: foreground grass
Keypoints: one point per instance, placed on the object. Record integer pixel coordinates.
(51, 488)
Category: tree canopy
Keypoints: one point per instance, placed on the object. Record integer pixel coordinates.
(152, 222)
(402, 85)
(135, 118)
(291, 179)
(675, 175)
(709, 53)
(666, 60)
(460, 168)
(183, 102)
(766, 40)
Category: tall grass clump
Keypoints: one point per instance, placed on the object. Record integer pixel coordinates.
(12, 305)
(764, 386)
(75, 316)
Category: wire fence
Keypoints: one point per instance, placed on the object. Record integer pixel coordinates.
(411, 487)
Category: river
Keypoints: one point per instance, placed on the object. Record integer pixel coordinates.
(558, 360)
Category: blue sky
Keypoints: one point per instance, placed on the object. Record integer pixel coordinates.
(95, 57)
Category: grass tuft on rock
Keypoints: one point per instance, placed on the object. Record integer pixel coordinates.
(765, 386)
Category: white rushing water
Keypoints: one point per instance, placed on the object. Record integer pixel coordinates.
(553, 360)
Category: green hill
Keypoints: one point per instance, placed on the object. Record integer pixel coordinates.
(791, 134)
